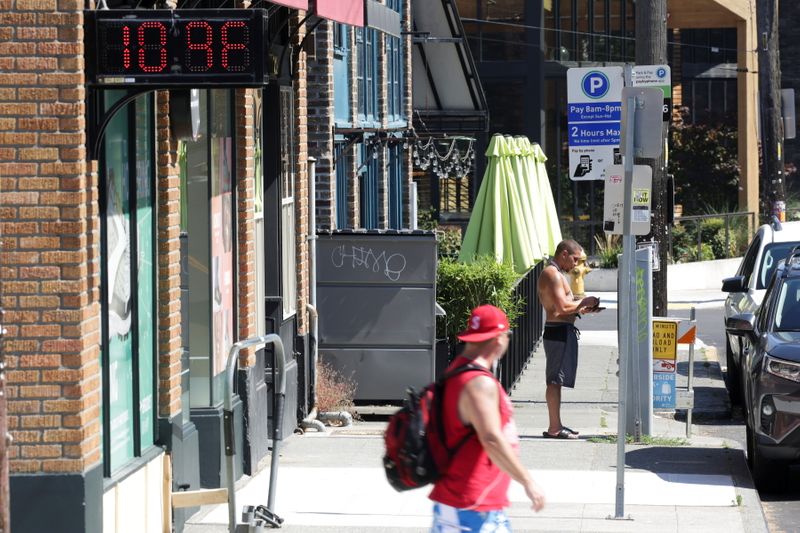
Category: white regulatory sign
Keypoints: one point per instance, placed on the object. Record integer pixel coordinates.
(614, 196)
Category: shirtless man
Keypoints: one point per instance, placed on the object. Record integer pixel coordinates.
(560, 334)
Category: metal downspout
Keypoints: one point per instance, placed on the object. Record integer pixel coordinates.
(311, 421)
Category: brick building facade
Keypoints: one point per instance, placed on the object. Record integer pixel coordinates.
(122, 292)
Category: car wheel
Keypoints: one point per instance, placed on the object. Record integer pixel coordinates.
(768, 475)
(733, 375)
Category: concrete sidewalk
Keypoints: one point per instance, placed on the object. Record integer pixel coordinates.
(334, 482)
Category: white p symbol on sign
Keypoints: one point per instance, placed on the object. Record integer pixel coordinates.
(595, 84)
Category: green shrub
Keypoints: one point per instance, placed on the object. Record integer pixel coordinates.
(448, 238)
(608, 250)
(712, 231)
(712, 236)
(683, 241)
(460, 287)
(719, 246)
(449, 241)
(706, 253)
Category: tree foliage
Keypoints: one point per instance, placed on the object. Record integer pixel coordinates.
(703, 159)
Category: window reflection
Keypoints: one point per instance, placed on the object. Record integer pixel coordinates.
(211, 243)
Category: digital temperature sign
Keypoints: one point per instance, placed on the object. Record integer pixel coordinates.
(184, 47)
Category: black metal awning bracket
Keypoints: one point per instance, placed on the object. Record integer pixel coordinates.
(98, 118)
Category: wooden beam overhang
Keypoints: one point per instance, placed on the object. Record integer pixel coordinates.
(688, 14)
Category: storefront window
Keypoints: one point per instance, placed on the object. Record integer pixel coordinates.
(145, 269)
(395, 152)
(368, 176)
(504, 117)
(288, 271)
(257, 109)
(367, 74)
(342, 184)
(341, 74)
(128, 282)
(394, 70)
(211, 243)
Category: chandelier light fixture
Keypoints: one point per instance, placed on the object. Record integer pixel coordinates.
(445, 157)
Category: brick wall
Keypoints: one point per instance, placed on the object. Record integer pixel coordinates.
(353, 197)
(50, 237)
(301, 177)
(383, 112)
(408, 108)
(321, 122)
(245, 221)
(169, 263)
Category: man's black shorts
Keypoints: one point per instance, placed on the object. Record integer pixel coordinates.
(561, 351)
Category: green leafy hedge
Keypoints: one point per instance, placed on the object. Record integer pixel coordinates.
(715, 244)
(460, 287)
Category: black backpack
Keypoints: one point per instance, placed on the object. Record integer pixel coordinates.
(416, 450)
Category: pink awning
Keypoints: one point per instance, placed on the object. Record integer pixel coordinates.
(296, 4)
(345, 11)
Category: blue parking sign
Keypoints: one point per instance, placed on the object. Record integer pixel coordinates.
(595, 84)
(594, 106)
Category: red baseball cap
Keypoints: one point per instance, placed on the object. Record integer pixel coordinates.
(486, 322)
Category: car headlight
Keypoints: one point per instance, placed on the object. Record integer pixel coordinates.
(782, 369)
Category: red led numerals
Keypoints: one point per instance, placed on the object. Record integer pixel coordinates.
(234, 56)
(117, 52)
(199, 37)
(152, 46)
(152, 52)
(238, 50)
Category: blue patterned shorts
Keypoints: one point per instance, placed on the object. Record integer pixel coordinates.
(448, 519)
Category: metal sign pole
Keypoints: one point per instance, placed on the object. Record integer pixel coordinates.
(690, 384)
(626, 298)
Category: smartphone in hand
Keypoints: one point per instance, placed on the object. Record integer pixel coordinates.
(597, 308)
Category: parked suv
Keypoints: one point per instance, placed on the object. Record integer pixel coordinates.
(771, 243)
(770, 356)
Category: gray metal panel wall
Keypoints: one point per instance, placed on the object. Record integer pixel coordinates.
(376, 297)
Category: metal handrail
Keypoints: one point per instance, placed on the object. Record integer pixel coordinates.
(227, 413)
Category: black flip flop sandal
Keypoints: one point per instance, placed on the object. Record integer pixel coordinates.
(562, 434)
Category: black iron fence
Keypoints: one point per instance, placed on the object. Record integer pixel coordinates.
(527, 330)
(700, 240)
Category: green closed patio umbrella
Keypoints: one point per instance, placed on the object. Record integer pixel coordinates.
(501, 224)
(545, 216)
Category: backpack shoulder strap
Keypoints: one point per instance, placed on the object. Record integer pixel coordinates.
(469, 367)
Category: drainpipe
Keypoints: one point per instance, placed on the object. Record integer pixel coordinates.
(315, 419)
(311, 421)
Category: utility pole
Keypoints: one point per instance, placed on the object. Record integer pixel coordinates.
(772, 186)
(651, 49)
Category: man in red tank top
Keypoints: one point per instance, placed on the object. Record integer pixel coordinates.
(472, 494)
